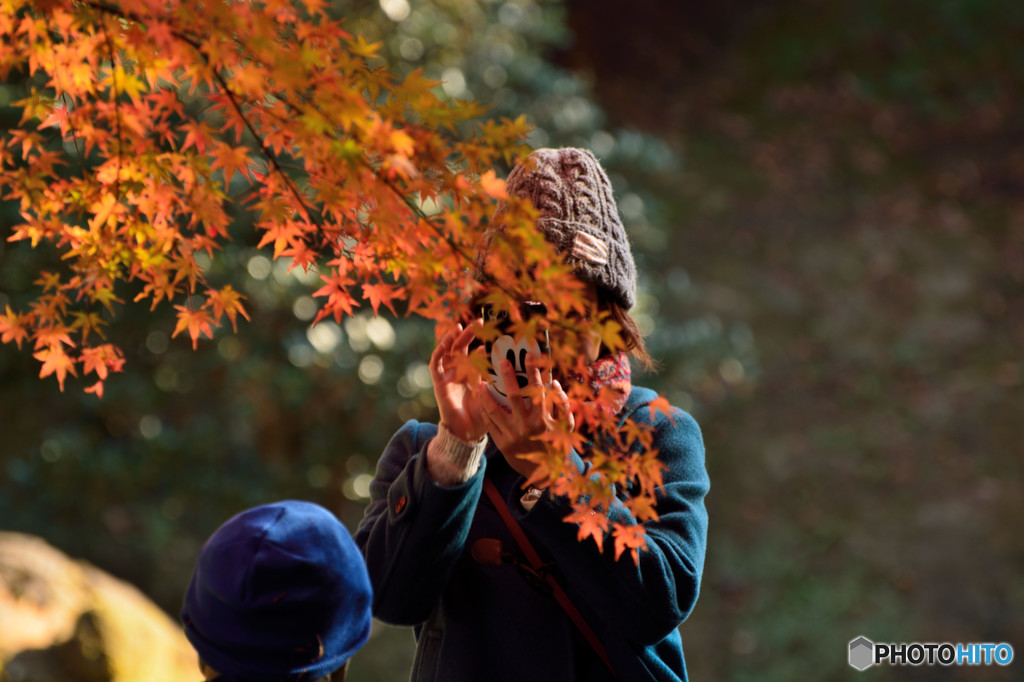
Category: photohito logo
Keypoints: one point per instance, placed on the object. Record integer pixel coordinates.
(864, 653)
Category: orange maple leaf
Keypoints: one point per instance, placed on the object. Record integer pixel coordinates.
(642, 507)
(633, 538)
(563, 440)
(633, 433)
(591, 524)
(661, 404)
(48, 280)
(159, 287)
(53, 335)
(198, 135)
(492, 186)
(339, 300)
(361, 47)
(611, 335)
(232, 159)
(382, 293)
(302, 255)
(87, 323)
(12, 327)
(102, 360)
(399, 165)
(282, 234)
(58, 117)
(195, 321)
(402, 143)
(55, 361)
(226, 301)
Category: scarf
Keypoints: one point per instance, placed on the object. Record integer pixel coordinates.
(610, 379)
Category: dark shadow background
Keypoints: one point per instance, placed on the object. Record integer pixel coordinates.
(825, 200)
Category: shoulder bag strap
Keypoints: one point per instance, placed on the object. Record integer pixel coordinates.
(535, 562)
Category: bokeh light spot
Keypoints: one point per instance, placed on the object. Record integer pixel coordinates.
(304, 308)
(259, 267)
(325, 336)
(397, 10)
(370, 370)
(150, 427)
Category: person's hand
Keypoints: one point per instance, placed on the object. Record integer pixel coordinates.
(515, 429)
(460, 412)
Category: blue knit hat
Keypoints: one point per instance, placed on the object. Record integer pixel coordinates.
(279, 593)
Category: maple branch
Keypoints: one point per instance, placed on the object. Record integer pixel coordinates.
(418, 212)
(363, 160)
(138, 18)
(117, 109)
(262, 145)
(74, 131)
(459, 250)
(232, 97)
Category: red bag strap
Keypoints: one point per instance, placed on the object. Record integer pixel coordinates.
(535, 562)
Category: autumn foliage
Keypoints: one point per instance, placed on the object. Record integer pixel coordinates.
(148, 119)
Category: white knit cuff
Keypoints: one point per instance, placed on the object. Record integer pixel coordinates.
(452, 461)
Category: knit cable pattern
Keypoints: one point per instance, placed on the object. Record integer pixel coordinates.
(573, 195)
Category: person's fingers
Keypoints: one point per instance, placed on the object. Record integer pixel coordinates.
(543, 365)
(491, 412)
(435, 363)
(443, 328)
(443, 349)
(475, 410)
(535, 386)
(512, 392)
(463, 337)
(534, 376)
(561, 401)
(492, 427)
(445, 342)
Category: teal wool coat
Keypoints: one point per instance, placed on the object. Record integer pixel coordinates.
(491, 621)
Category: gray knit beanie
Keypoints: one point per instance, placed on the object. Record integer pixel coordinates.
(579, 216)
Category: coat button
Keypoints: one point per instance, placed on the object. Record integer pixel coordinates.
(400, 504)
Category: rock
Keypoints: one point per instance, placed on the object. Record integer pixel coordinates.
(62, 619)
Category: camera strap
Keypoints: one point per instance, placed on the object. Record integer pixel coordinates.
(538, 566)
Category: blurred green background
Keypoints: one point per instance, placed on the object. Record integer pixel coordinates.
(826, 203)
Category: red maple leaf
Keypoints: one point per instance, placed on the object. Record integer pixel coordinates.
(339, 300)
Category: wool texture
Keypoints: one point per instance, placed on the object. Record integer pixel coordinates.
(578, 214)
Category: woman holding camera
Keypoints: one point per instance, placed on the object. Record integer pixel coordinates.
(493, 581)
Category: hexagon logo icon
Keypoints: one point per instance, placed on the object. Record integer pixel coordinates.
(862, 653)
